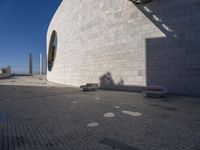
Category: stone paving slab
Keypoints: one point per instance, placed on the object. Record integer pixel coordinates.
(63, 118)
(35, 80)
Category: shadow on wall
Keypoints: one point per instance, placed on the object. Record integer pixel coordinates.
(174, 60)
(107, 83)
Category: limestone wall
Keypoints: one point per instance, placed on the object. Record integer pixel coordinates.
(152, 44)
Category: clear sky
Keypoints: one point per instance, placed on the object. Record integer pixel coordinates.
(23, 28)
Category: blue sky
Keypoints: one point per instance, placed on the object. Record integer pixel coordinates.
(23, 28)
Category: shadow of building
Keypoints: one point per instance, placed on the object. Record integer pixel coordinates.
(174, 60)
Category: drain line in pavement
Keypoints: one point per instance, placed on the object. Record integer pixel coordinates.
(117, 145)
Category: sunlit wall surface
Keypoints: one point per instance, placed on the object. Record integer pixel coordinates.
(128, 44)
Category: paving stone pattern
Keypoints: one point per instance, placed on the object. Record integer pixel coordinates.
(45, 118)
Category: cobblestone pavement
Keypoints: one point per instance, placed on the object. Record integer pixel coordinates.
(63, 118)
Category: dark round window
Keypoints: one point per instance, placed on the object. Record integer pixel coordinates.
(52, 50)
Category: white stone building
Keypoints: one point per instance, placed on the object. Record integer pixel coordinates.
(126, 44)
(5, 72)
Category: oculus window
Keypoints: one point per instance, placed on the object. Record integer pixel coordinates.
(52, 50)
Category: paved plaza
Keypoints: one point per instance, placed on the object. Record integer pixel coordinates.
(36, 115)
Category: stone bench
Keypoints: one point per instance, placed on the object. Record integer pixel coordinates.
(89, 87)
(155, 91)
(140, 1)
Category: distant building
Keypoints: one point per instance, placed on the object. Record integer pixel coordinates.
(5, 72)
(127, 43)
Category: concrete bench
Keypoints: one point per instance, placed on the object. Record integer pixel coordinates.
(89, 87)
(155, 91)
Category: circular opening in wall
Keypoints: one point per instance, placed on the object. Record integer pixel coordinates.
(52, 50)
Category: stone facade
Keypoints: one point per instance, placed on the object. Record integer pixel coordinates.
(135, 44)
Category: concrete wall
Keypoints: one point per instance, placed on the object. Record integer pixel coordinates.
(152, 44)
